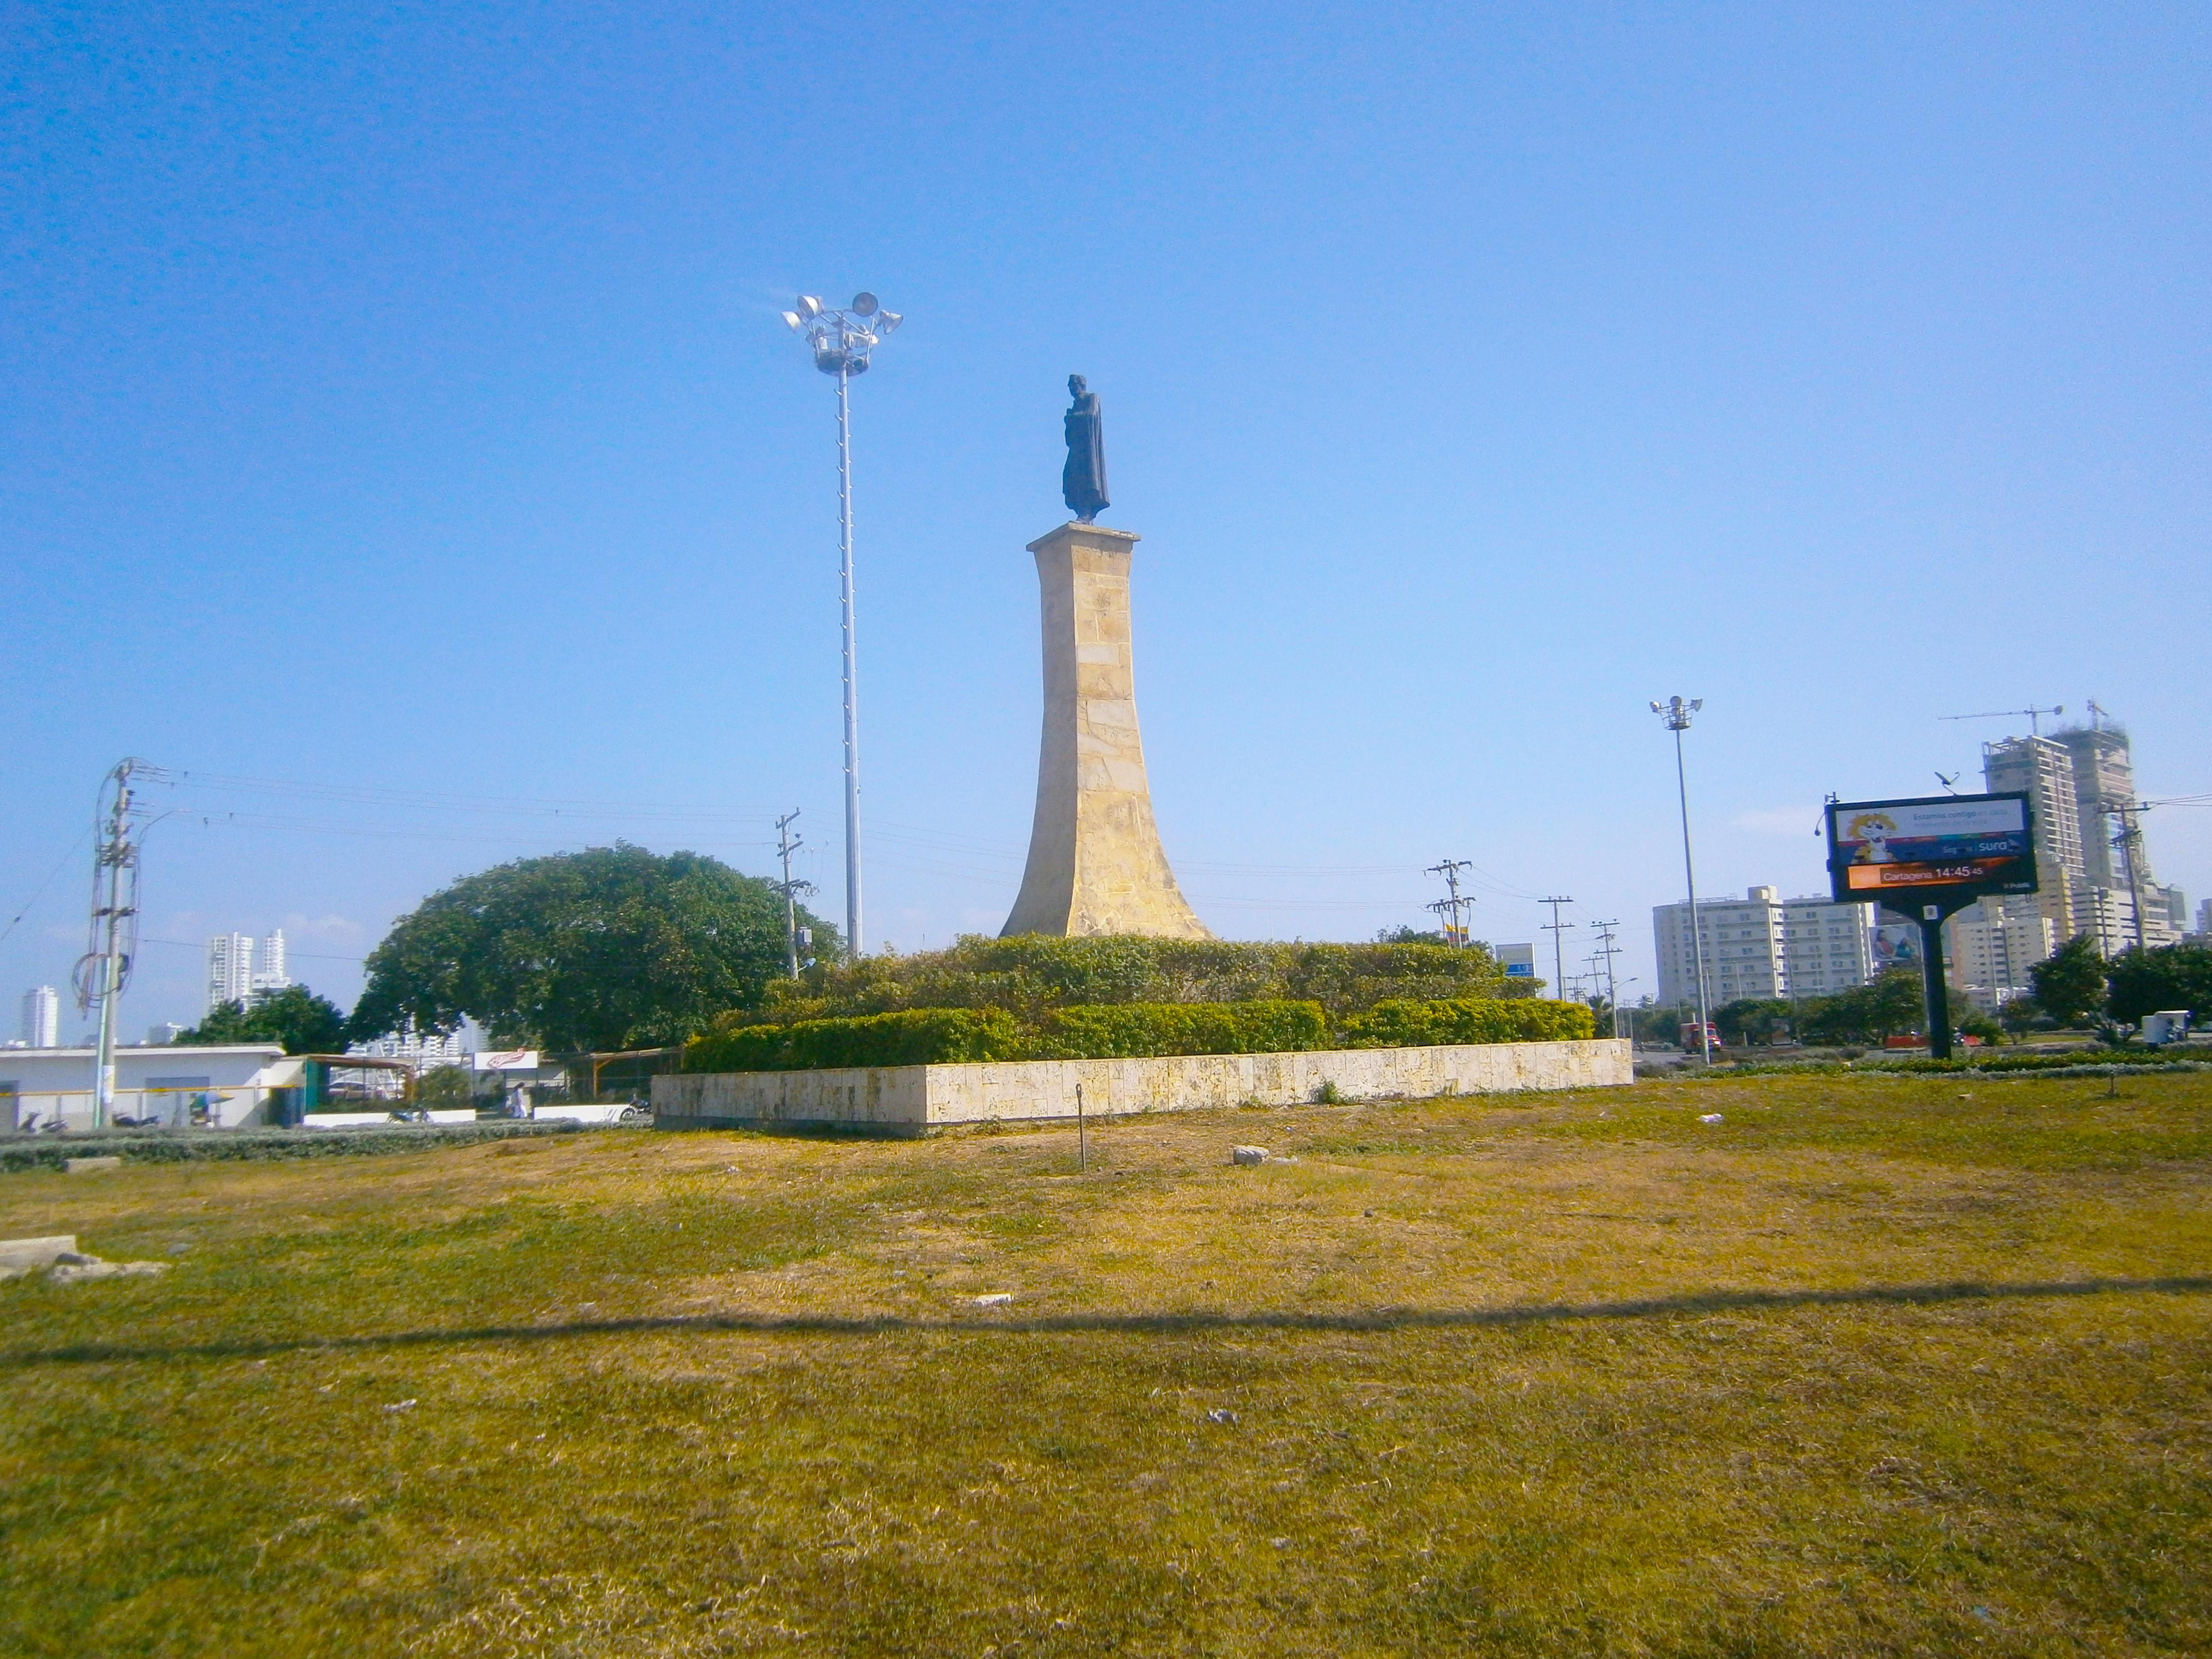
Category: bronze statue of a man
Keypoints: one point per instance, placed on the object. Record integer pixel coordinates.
(1082, 480)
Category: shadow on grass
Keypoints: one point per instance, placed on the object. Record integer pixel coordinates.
(1135, 1324)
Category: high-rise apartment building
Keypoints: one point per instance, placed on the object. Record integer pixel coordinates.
(1990, 945)
(229, 969)
(2103, 778)
(2093, 875)
(42, 1017)
(270, 975)
(1765, 946)
(231, 975)
(2043, 770)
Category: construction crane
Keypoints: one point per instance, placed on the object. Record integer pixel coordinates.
(2034, 716)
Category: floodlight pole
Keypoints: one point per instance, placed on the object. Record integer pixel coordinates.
(851, 691)
(1677, 714)
(840, 341)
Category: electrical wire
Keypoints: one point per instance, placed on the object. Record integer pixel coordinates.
(68, 853)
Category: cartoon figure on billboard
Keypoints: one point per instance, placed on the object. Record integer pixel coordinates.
(1872, 831)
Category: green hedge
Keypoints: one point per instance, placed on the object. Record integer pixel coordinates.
(919, 1036)
(1121, 1030)
(1403, 1023)
(1129, 1029)
(1030, 973)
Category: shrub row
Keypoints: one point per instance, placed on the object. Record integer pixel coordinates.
(51, 1151)
(1132, 1029)
(1403, 1023)
(934, 1037)
(1030, 973)
(917, 1037)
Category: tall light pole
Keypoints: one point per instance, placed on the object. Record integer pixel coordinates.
(840, 341)
(1676, 712)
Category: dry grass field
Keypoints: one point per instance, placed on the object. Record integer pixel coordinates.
(1876, 1365)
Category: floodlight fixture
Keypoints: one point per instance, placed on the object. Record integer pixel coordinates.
(840, 341)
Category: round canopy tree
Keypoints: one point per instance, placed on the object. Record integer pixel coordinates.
(610, 949)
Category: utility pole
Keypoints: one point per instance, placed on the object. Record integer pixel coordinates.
(1557, 930)
(1676, 712)
(112, 939)
(1606, 951)
(2128, 840)
(1455, 929)
(786, 844)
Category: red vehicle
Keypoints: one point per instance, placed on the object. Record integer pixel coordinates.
(1690, 1036)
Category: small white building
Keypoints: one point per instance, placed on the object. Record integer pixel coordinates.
(224, 1087)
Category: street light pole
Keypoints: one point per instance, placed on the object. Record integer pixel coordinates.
(852, 687)
(840, 341)
(1677, 713)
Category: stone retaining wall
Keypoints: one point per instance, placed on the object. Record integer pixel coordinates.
(913, 1100)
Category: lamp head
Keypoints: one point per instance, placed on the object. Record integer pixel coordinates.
(793, 322)
(864, 304)
(809, 307)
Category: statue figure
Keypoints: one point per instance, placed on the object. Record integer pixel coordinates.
(1082, 480)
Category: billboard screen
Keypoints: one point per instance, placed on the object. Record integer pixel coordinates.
(1943, 847)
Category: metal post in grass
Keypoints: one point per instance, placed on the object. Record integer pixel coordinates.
(1676, 712)
(1082, 1141)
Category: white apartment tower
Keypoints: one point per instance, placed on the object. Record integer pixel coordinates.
(231, 976)
(42, 1017)
(1990, 945)
(1765, 946)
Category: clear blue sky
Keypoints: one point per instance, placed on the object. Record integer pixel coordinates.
(395, 405)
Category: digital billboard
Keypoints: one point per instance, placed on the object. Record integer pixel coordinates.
(1940, 848)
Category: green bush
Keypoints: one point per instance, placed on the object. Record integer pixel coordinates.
(921, 1036)
(1130, 1030)
(1404, 1022)
(1029, 975)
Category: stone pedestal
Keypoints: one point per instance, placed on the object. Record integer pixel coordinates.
(1096, 864)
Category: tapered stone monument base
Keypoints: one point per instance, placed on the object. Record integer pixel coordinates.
(1096, 864)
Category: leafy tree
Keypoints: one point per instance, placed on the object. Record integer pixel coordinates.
(2145, 982)
(2071, 981)
(2021, 1014)
(1402, 934)
(296, 1016)
(445, 1087)
(609, 949)
(1974, 1022)
(1750, 1019)
(1877, 1009)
